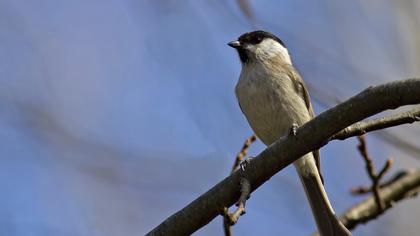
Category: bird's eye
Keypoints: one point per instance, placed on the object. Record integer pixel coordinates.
(257, 40)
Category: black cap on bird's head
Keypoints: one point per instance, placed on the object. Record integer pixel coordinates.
(252, 38)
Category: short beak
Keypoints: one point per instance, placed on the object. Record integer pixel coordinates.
(235, 44)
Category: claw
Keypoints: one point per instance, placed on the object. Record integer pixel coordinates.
(293, 130)
(245, 163)
(242, 165)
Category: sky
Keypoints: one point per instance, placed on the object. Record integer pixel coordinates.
(116, 114)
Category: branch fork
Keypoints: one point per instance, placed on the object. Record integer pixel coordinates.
(232, 218)
(375, 178)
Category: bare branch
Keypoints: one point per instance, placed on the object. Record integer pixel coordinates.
(363, 127)
(384, 169)
(231, 219)
(328, 100)
(364, 190)
(226, 225)
(404, 185)
(310, 136)
(371, 171)
(360, 190)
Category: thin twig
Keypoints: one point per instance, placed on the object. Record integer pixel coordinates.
(371, 171)
(226, 225)
(363, 127)
(363, 189)
(384, 169)
(228, 218)
(360, 190)
(232, 218)
(244, 151)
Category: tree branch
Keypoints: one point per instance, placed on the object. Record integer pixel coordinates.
(231, 219)
(363, 127)
(311, 136)
(364, 190)
(375, 178)
(405, 185)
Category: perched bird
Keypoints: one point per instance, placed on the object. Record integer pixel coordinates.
(275, 101)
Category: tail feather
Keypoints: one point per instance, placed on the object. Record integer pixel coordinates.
(326, 221)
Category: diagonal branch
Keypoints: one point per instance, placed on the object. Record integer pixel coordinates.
(311, 136)
(363, 127)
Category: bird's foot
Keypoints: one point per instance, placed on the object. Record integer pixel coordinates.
(245, 163)
(293, 130)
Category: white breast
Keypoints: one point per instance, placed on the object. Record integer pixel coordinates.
(270, 102)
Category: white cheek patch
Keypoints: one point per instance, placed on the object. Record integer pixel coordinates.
(270, 48)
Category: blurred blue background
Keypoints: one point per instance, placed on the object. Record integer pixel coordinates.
(116, 114)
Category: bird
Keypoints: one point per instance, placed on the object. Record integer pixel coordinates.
(275, 101)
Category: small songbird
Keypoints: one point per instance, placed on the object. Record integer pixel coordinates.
(275, 101)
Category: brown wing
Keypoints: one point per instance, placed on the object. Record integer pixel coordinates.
(301, 89)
